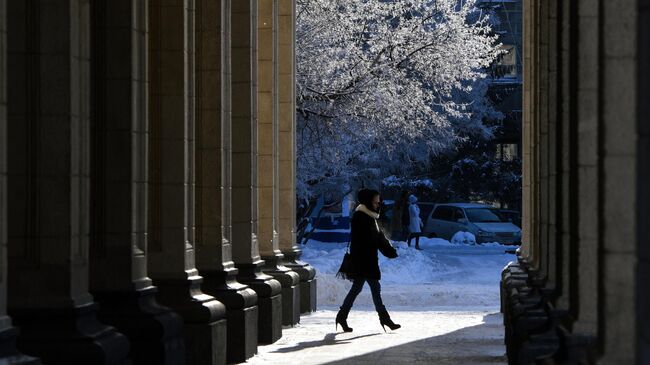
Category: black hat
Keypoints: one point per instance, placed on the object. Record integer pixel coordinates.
(364, 196)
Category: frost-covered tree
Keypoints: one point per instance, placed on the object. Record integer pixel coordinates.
(383, 84)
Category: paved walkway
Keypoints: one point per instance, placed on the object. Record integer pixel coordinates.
(460, 338)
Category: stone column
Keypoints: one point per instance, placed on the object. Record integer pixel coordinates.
(527, 105)
(588, 205)
(267, 161)
(171, 175)
(543, 146)
(8, 333)
(535, 130)
(621, 166)
(118, 220)
(566, 162)
(287, 157)
(551, 117)
(213, 205)
(245, 248)
(643, 181)
(598, 308)
(48, 185)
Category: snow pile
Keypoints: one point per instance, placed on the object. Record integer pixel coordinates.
(327, 257)
(427, 242)
(404, 267)
(465, 238)
(441, 276)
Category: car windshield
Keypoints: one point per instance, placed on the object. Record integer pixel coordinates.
(507, 215)
(482, 215)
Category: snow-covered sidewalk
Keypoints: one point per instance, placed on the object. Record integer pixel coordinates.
(446, 297)
(460, 338)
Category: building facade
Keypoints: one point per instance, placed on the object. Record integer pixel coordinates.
(507, 76)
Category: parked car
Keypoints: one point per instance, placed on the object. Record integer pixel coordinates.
(511, 216)
(483, 221)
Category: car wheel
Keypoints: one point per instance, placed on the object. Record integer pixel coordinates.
(432, 235)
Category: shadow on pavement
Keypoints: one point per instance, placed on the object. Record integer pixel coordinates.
(476, 345)
(328, 340)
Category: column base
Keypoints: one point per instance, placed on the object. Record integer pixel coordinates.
(155, 332)
(577, 349)
(307, 282)
(242, 312)
(205, 343)
(269, 300)
(270, 319)
(69, 336)
(8, 352)
(290, 281)
(204, 319)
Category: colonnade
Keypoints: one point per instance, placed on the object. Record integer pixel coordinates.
(576, 293)
(147, 195)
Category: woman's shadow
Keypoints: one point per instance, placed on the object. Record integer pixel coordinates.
(328, 340)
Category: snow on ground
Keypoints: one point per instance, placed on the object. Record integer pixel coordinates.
(446, 297)
(442, 276)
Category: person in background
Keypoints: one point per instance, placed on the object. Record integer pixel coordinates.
(366, 240)
(415, 222)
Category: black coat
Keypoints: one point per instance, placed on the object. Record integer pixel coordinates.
(365, 241)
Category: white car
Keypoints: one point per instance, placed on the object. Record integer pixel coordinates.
(482, 220)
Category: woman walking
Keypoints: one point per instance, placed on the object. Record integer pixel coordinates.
(366, 240)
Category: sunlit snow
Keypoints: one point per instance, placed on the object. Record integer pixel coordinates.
(441, 276)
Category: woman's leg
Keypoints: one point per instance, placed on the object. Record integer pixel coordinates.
(375, 289)
(417, 241)
(384, 317)
(357, 285)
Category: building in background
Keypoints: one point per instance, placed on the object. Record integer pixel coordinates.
(507, 80)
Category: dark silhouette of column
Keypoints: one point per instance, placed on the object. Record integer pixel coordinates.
(48, 186)
(213, 241)
(287, 157)
(8, 333)
(171, 175)
(268, 146)
(245, 249)
(119, 207)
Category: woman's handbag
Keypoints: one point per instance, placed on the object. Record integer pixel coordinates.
(346, 265)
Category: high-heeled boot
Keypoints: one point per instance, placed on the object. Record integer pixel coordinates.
(342, 319)
(384, 320)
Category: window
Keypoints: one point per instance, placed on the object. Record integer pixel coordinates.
(506, 65)
(443, 213)
(506, 151)
(458, 214)
(483, 215)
